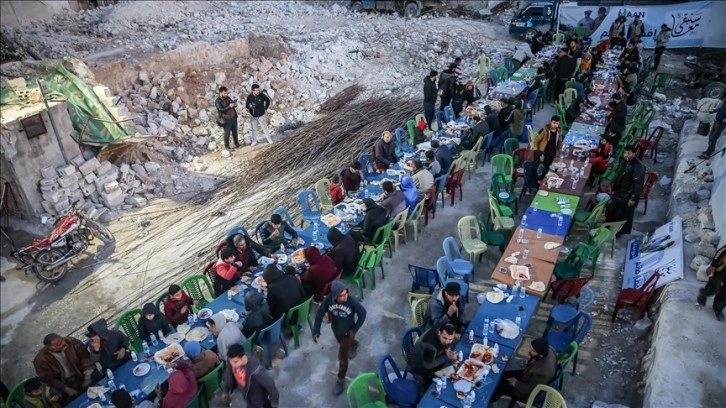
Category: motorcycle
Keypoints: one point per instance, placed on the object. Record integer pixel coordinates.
(47, 257)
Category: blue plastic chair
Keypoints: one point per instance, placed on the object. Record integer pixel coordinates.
(402, 141)
(440, 183)
(499, 143)
(486, 146)
(442, 269)
(458, 266)
(237, 230)
(440, 119)
(423, 277)
(368, 168)
(493, 75)
(565, 312)
(399, 390)
(286, 217)
(408, 341)
(309, 206)
(270, 335)
(258, 231)
(532, 102)
(449, 113)
(576, 330)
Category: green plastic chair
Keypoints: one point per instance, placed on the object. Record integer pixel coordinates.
(510, 145)
(376, 260)
(589, 219)
(400, 231)
(249, 344)
(580, 31)
(128, 322)
(414, 220)
(499, 221)
(322, 189)
(614, 228)
(160, 301)
(410, 125)
(16, 395)
(553, 399)
(546, 94)
(570, 84)
(418, 303)
(661, 80)
(499, 186)
(196, 402)
(502, 74)
(641, 125)
(210, 383)
(558, 39)
(565, 357)
(300, 313)
(572, 266)
(470, 237)
(359, 392)
(358, 277)
(504, 164)
(602, 235)
(490, 238)
(382, 236)
(192, 285)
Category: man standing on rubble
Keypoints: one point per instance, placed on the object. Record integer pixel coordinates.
(227, 108)
(257, 104)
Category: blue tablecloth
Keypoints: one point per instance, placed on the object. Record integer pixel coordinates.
(508, 89)
(547, 221)
(504, 310)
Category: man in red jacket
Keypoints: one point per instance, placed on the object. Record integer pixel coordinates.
(178, 305)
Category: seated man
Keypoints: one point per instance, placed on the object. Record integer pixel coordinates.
(151, 321)
(376, 217)
(284, 290)
(422, 178)
(393, 200)
(336, 192)
(226, 333)
(257, 313)
(480, 129)
(108, 347)
(245, 248)
(201, 361)
(273, 233)
(431, 353)
(320, 271)
(178, 305)
(65, 364)
(344, 251)
(446, 307)
(540, 369)
(122, 399)
(352, 177)
(432, 164)
(385, 152)
(226, 273)
(443, 155)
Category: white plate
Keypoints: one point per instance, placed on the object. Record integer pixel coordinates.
(142, 369)
(204, 314)
(503, 195)
(319, 245)
(543, 193)
(173, 338)
(566, 211)
(197, 334)
(231, 314)
(495, 297)
(282, 258)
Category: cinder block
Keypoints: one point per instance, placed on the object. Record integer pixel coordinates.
(76, 196)
(104, 168)
(69, 181)
(47, 206)
(62, 206)
(66, 170)
(124, 168)
(89, 166)
(88, 189)
(78, 160)
(48, 173)
(136, 201)
(54, 196)
(112, 199)
(90, 177)
(103, 179)
(49, 188)
(111, 187)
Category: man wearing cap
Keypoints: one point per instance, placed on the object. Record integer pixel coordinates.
(431, 353)
(346, 316)
(446, 307)
(587, 21)
(201, 361)
(540, 369)
(376, 217)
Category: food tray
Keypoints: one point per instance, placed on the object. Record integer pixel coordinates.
(481, 353)
(169, 354)
(470, 370)
(330, 220)
(197, 334)
(298, 256)
(519, 272)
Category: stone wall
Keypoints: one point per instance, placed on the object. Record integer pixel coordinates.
(718, 193)
(22, 159)
(15, 12)
(120, 75)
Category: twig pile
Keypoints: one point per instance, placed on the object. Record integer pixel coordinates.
(341, 99)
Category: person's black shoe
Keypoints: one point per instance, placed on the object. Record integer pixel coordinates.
(719, 316)
(353, 352)
(339, 387)
(237, 146)
(701, 298)
(2, 278)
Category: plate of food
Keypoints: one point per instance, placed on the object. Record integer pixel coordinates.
(298, 256)
(95, 405)
(495, 297)
(537, 286)
(246, 279)
(551, 245)
(169, 355)
(543, 193)
(391, 172)
(142, 369)
(259, 283)
(95, 392)
(204, 314)
(470, 370)
(559, 165)
(173, 338)
(462, 388)
(519, 272)
(484, 354)
(511, 259)
(581, 144)
(566, 211)
(183, 328)
(555, 182)
(462, 126)
(231, 314)
(282, 258)
(197, 334)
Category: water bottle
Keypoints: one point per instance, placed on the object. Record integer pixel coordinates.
(539, 233)
(190, 319)
(522, 291)
(161, 335)
(365, 193)
(524, 256)
(492, 326)
(282, 248)
(485, 341)
(536, 206)
(518, 322)
(443, 382)
(521, 235)
(315, 227)
(471, 336)
(559, 221)
(145, 347)
(515, 287)
(110, 383)
(572, 163)
(496, 348)
(134, 357)
(520, 315)
(469, 399)
(485, 328)
(154, 342)
(524, 219)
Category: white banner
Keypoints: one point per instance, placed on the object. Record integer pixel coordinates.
(689, 22)
(661, 251)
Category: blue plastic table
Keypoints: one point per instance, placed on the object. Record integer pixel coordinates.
(547, 221)
(504, 310)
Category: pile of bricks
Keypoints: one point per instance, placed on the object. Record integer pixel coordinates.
(96, 186)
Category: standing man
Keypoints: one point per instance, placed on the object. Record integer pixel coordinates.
(716, 284)
(617, 32)
(718, 126)
(587, 22)
(447, 86)
(458, 72)
(626, 190)
(244, 373)
(522, 53)
(549, 141)
(431, 92)
(65, 364)
(565, 69)
(602, 12)
(227, 109)
(661, 40)
(257, 104)
(540, 369)
(346, 316)
(636, 29)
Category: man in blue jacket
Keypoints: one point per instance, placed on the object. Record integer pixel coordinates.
(346, 316)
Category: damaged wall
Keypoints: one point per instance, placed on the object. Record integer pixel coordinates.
(17, 12)
(21, 159)
(718, 194)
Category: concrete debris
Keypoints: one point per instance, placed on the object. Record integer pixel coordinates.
(225, 153)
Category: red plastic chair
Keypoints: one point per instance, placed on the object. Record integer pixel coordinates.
(650, 179)
(430, 205)
(326, 288)
(220, 247)
(209, 272)
(564, 289)
(651, 144)
(452, 182)
(520, 156)
(637, 297)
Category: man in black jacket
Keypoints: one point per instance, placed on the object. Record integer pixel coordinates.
(376, 217)
(564, 70)
(431, 92)
(227, 109)
(619, 112)
(245, 373)
(447, 86)
(492, 121)
(431, 352)
(257, 104)
(344, 251)
(479, 130)
(443, 155)
(284, 291)
(109, 347)
(626, 190)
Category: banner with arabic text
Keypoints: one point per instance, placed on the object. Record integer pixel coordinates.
(659, 251)
(689, 22)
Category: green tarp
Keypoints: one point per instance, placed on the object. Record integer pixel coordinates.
(92, 123)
